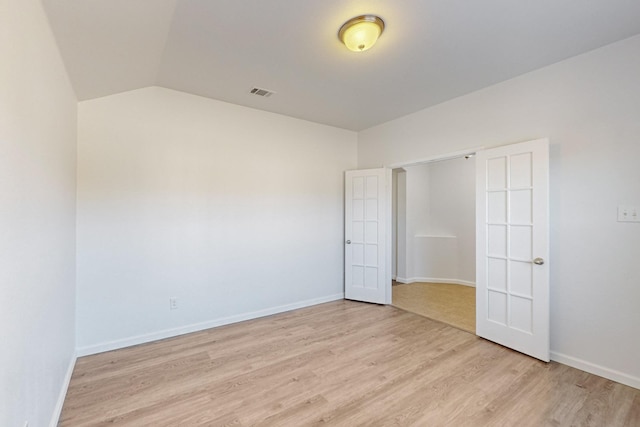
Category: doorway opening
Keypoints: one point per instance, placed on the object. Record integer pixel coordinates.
(434, 240)
(512, 242)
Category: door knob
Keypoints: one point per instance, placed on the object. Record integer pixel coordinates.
(348, 242)
(538, 261)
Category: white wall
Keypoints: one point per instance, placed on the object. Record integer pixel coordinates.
(440, 223)
(37, 218)
(452, 208)
(234, 211)
(589, 108)
(417, 222)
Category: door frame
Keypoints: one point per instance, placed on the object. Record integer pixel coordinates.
(441, 157)
(425, 160)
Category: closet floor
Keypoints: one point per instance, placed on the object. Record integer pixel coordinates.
(448, 303)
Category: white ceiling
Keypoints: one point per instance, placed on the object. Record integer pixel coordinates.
(431, 50)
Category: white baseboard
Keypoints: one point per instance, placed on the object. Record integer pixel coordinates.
(592, 368)
(55, 417)
(435, 280)
(195, 327)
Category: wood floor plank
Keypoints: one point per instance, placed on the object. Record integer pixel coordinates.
(342, 364)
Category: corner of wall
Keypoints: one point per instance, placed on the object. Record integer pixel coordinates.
(57, 411)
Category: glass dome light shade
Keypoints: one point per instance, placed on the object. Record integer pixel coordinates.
(361, 33)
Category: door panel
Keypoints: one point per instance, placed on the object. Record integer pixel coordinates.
(512, 291)
(365, 235)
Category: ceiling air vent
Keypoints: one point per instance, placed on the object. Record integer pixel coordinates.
(261, 92)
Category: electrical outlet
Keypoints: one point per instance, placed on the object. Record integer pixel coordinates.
(628, 214)
(173, 303)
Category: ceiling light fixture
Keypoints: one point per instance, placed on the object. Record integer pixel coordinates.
(361, 33)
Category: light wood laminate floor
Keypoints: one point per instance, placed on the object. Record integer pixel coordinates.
(448, 303)
(341, 364)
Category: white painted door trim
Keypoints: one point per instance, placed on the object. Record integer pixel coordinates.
(438, 158)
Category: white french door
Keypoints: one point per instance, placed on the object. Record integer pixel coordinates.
(365, 251)
(512, 268)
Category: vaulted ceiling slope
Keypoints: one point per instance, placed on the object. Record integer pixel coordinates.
(431, 50)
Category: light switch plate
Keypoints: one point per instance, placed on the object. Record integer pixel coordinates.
(628, 214)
